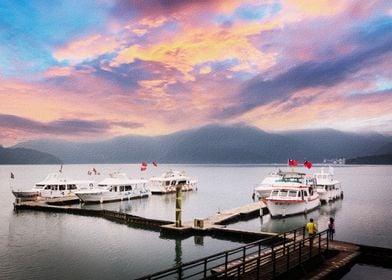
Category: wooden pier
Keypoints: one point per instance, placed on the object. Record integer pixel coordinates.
(121, 217)
(286, 258)
(214, 225)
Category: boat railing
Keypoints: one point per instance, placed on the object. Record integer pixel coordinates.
(266, 255)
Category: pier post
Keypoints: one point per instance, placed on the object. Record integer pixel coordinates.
(178, 205)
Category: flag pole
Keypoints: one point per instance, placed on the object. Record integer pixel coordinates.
(12, 178)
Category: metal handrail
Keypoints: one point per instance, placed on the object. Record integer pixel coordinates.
(281, 251)
(208, 264)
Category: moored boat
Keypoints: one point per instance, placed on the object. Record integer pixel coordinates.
(114, 188)
(53, 186)
(168, 182)
(293, 194)
(263, 189)
(327, 186)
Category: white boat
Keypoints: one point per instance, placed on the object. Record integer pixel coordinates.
(264, 189)
(327, 186)
(293, 194)
(116, 187)
(169, 180)
(53, 186)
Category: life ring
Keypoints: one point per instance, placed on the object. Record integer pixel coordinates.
(91, 185)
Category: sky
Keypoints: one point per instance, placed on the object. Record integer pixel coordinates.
(92, 70)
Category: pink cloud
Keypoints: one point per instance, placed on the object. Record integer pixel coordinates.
(86, 48)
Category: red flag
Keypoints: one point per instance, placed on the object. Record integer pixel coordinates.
(293, 162)
(308, 164)
(95, 171)
(144, 163)
(154, 163)
(143, 167)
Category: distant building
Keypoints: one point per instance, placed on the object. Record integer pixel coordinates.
(335, 161)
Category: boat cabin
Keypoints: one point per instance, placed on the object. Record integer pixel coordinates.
(291, 194)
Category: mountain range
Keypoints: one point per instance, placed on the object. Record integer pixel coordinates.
(26, 156)
(219, 144)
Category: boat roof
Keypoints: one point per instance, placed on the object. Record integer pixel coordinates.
(54, 178)
(291, 174)
(120, 179)
(60, 178)
(171, 174)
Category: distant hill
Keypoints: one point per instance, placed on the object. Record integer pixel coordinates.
(217, 144)
(377, 159)
(26, 156)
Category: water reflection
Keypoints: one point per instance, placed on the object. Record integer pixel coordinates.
(127, 206)
(178, 251)
(279, 225)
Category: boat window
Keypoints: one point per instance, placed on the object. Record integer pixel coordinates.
(111, 189)
(72, 187)
(274, 193)
(167, 183)
(47, 187)
(39, 186)
(62, 187)
(121, 188)
(306, 193)
(128, 188)
(54, 187)
(292, 193)
(283, 193)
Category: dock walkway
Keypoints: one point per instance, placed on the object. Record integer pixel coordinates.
(215, 224)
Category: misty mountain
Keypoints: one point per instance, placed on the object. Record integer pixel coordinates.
(26, 156)
(218, 144)
(376, 159)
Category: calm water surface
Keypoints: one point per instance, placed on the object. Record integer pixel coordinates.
(38, 245)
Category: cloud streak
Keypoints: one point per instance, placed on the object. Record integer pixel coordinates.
(259, 92)
(62, 127)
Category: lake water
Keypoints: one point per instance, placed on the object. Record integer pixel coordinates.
(40, 245)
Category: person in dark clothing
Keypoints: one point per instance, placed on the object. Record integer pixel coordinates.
(331, 228)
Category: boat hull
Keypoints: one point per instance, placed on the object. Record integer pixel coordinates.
(31, 194)
(56, 194)
(327, 196)
(101, 197)
(283, 208)
(167, 190)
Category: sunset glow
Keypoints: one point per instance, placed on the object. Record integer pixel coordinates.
(100, 69)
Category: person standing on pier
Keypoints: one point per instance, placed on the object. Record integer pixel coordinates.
(331, 228)
(312, 229)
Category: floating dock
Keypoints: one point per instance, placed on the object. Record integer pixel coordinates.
(58, 205)
(213, 225)
(216, 224)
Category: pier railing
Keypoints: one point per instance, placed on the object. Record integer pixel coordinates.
(271, 256)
